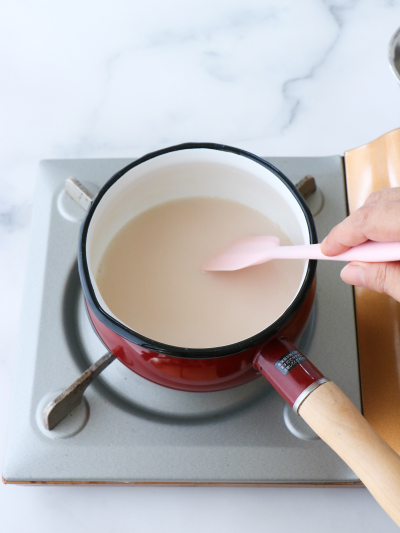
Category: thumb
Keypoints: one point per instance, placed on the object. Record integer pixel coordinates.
(379, 277)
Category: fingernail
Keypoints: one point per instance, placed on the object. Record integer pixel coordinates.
(353, 274)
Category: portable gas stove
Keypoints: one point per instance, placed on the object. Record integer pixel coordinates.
(131, 431)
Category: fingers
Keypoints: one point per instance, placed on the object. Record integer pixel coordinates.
(379, 277)
(378, 220)
(384, 195)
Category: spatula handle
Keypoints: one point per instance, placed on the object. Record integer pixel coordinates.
(329, 412)
(370, 252)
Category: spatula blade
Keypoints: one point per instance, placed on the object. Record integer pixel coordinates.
(242, 253)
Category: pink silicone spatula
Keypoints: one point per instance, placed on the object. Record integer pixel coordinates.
(256, 250)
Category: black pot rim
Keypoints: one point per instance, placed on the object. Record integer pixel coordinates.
(175, 351)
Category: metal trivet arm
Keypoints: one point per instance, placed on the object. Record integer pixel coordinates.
(72, 396)
(78, 192)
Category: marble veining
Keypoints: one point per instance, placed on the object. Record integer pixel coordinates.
(119, 79)
(337, 10)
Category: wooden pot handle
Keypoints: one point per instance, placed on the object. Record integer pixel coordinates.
(330, 413)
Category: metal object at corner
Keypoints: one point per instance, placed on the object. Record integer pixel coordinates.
(394, 54)
(306, 392)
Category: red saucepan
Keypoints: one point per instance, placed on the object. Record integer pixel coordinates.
(191, 170)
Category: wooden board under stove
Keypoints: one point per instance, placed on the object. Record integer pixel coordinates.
(370, 168)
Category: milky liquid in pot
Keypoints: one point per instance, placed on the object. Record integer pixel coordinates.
(151, 277)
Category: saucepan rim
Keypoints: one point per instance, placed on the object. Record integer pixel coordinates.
(176, 351)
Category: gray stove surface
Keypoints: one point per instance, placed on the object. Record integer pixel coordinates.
(129, 430)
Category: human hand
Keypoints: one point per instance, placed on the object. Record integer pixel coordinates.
(377, 220)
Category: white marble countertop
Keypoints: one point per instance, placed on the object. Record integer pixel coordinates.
(118, 79)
